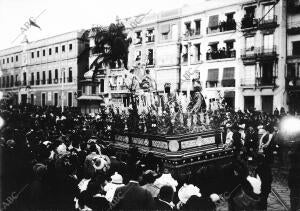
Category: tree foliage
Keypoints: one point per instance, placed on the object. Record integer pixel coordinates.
(111, 45)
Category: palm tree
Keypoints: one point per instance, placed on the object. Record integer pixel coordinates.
(111, 45)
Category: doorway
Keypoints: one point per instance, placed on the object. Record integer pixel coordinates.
(248, 103)
(267, 104)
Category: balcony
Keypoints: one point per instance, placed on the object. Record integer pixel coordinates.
(37, 82)
(267, 53)
(248, 83)
(55, 80)
(31, 82)
(292, 83)
(293, 28)
(249, 23)
(212, 84)
(228, 83)
(185, 58)
(222, 27)
(49, 81)
(70, 79)
(266, 82)
(43, 81)
(268, 23)
(24, 83)
(220, 54)
(293, 53)
(192, 34)
(17, 83)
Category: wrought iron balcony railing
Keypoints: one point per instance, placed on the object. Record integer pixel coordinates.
(221, 54)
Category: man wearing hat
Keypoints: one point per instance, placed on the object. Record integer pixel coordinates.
(149, 177)
(110, 188)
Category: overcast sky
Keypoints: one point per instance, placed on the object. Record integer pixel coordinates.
(67, 15)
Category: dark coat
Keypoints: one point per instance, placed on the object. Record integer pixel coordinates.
(132, 197)
(160, 205)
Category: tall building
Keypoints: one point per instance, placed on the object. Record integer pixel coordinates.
(263, 54)
(45, 72)
(293, 55)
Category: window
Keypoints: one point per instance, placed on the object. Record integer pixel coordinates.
(7, 81)
(268, 12)
(197, 27)
(32, 55)
(228, 77)
(56, 76)
(150, 35)
(38, 78)
(49, 77)
(32, 99)
(56, 49)
(83, 89)
(267, 73)
(101, 85)
(296, 48)
(50, 51)
(38, 54)
(3, 82)
(63, 48)
(44, 77)
(268, 41)
(70, 99)
(212, 77)
(250, 12)
(17, 58)
(55, 99)
(93, 89)
(70, 79)
(165, 30)
(185, 53)
(70, 47)
(7, 60)
(138, 56)
(187, 27)
(43, 99)
(12, 59)
(3, 61)
(197, 53)
(11, 80)
(249, 43)
(24, 79)
(32, 79)
(139, 38)
(150, 57)
(44, 52)
(229, 45)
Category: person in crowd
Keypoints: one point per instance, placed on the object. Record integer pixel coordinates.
(110, 188)
(251, 142)
(266, 143)
(164, 200)
(294, 176)
(132, 196)
(149, 178)
(263, 170)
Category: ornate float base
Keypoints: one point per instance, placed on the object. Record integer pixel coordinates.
(181, 154)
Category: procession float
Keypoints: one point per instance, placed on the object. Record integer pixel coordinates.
(181, 132)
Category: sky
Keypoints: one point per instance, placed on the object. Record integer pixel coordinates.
(67, 15)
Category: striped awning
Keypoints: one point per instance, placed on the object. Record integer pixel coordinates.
(213, 75)
(90, 97)
(228, 73)
(213, 21)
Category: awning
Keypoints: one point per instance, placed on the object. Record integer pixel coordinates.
(90, 97)
(213, 75)
(213, 43)
(228, 73)
(164, 29)
(230, 94)
(213, 21)
(229, 40)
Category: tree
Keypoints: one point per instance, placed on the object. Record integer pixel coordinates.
(111, 45)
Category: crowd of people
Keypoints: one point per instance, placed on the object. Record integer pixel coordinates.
(65, 161)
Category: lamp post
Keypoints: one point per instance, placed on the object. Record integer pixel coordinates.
(62, 89)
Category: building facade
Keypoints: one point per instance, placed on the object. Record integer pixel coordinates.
(293, 56)
(45, 72)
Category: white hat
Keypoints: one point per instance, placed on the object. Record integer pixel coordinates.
(116, 178)
(186, 191)
(166, 179)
